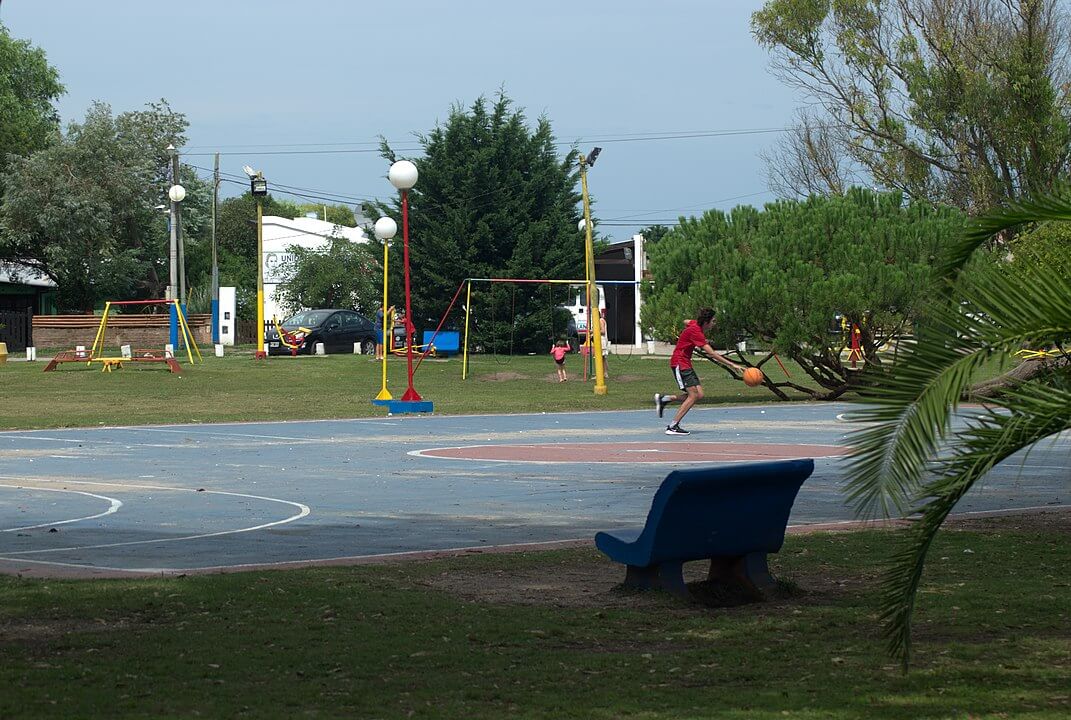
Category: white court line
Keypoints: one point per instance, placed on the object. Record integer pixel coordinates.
(37, 437)
(585, 461)
(115, 505)
(478, 548)
(303, 511)
(224, 434)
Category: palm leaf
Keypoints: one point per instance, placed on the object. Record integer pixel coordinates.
(896, 463)
(1041, 412)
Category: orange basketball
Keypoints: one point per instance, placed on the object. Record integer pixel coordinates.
(752, 376)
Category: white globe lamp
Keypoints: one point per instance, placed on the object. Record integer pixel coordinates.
(386, 228)
(402, 175)
(177, 193)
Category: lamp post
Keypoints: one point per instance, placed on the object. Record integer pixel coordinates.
(176, 193)
(385, 230)
(403, 175)
(258, 187)
(589, 257)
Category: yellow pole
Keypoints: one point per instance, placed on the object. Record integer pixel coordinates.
(100, 332)
(187, 335)
(384, 394)
(468, 310)
(260, 279)
(594, 333)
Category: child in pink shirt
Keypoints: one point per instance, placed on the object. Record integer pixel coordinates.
(559, 350)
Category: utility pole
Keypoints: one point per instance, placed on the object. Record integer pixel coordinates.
(595, 318)
(215, 255)
(176, 228)
(172, 225)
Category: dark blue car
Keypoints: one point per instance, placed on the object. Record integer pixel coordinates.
(337, 329)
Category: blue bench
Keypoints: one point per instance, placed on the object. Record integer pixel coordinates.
(732, 515)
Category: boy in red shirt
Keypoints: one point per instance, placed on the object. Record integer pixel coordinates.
(693, 337)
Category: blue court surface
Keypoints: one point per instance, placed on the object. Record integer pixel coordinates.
(186, 498)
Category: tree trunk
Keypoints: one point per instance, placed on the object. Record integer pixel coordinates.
(1020, 373)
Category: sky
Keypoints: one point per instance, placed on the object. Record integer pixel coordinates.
(303, 91)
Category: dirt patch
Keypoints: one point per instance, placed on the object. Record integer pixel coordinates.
(629, 378)
(502, 377)
(1056, 522)
(589, 580)
(592, 581)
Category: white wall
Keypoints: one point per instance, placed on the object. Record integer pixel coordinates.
(279, 235)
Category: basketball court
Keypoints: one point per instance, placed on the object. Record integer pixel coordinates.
(196, 498)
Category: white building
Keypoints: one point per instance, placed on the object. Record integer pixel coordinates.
(279, 235)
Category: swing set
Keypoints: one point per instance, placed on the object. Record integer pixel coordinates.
(95, 354)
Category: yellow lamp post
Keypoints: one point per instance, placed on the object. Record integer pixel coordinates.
(594, 334)
(258, 187)
(385, 230)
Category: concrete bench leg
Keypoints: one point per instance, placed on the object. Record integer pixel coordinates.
(751, 570)
(668, 576)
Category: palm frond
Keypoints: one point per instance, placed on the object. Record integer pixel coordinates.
(911, 412)
(1041, 411)
(1055, 205)
(911, 404)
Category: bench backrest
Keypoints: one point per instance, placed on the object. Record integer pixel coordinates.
(728, 510)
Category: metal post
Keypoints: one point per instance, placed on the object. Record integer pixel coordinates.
(410, 393)
(215, 255)
(260, 280)
(180, 250)
(384, 394)
(172, 226)
(589, 253)
(468, 314)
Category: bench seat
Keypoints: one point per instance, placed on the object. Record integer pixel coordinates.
(732, 515)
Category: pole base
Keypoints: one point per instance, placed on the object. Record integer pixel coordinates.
(411, 395)
(600, 389)
(384, 396)
(409, 406)
(260, 355)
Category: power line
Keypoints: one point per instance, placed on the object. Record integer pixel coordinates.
(620, 138)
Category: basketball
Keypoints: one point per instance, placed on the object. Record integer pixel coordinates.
(752, 376)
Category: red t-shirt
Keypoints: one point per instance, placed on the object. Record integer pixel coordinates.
(692, 337)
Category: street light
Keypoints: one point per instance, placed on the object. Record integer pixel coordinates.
(176, 193)
(589, 265)
(258, 186)
(385, 229)
(403, 175)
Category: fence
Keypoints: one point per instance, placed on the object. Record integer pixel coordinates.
(149, 331)
(16, 329)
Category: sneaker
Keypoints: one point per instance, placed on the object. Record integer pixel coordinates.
(659, 403)
(675, 430)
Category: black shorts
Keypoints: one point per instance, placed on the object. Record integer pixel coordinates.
(560, 362)
(685, 377)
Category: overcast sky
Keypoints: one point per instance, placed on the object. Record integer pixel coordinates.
(302, 90)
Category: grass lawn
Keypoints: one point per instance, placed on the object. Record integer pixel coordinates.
(334, 386)
(548, 635)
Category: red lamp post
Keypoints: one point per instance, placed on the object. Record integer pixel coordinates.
(403, 175)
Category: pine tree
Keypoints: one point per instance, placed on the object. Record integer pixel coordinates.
(493, 199)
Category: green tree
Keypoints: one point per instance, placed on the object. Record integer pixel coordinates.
(345, 274)
(82, 211)
(28, 88)
(911, 459)
(963, 102)
(653, 233)
(782, 276)
(337, 214)
(494, 199)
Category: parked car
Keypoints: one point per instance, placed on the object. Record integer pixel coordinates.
(338, 330)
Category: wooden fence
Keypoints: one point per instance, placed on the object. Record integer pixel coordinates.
(16, 329)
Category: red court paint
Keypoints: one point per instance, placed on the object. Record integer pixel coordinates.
(634, 452)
